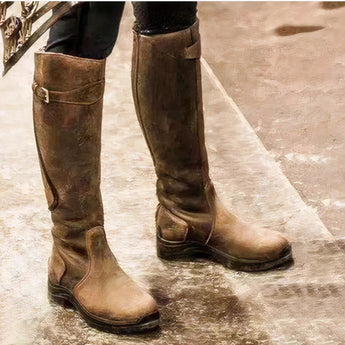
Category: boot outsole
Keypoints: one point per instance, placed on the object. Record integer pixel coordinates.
(190, 250)
(62, 296)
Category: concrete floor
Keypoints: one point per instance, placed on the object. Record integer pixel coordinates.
(273, 80)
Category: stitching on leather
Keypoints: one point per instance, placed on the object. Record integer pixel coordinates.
(136, 94)
(211, 204)
(81, 282)
(51, 186)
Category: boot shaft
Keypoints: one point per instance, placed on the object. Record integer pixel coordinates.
(67, 104)
(166, 82)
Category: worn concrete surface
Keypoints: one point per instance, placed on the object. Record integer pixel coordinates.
(273, 105)
(283, 64)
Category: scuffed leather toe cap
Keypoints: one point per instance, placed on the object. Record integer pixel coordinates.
(119, 301)
(106, 291)
(249, 242)
(270, 245)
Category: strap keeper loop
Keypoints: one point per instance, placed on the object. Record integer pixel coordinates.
(193, 52)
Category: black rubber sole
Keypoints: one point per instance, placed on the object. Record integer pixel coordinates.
(188, 251)
(62, 296)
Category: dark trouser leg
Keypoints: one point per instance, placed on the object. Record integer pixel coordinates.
(89, 30)
(153, 18)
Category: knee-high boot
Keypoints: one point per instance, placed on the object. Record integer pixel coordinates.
(67, 104)
(190, 219)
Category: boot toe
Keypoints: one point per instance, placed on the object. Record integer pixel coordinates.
(273, 246)
(131, 305)
(106, 292)
(262, 244)
(124, 305)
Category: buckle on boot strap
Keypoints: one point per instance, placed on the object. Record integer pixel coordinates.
(40, 92)
(85, 95)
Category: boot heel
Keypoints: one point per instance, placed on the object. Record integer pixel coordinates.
(166, 252)
(58, 296)
(185, 251)
(60, 301)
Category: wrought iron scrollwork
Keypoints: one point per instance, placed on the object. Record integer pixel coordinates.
(3, 9)
(28, 10)
(17, 30)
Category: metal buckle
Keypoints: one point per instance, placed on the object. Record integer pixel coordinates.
(28, 23)
(46, 94)
(40, 92)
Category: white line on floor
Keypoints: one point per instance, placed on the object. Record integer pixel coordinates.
(216, 82)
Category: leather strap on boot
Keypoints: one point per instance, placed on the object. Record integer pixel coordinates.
(85, 95)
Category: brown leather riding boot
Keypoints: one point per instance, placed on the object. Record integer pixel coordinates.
(68, 98)
(190, 219)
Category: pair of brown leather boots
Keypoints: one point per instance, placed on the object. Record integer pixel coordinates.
(68, 96)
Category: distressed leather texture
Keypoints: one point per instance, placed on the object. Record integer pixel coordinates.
(106, 290)
(68, 136)
(166, 81)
